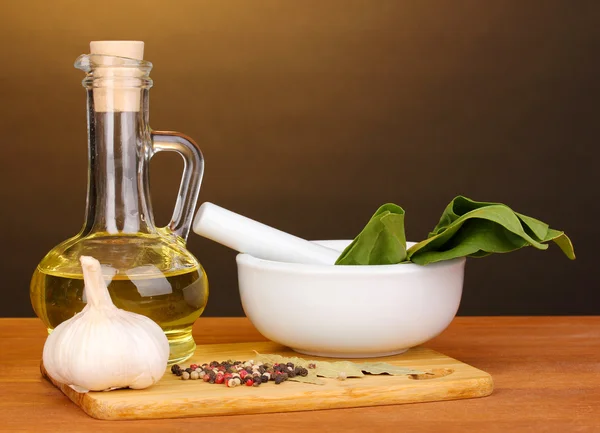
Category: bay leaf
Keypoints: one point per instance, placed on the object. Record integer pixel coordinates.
(382, 241)
(312, 378)
(278, 359)
(334, 369)
(384, 367)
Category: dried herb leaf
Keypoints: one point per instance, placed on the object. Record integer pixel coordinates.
(332, 370)
(278, 359)
(335, 369)
(311, 378)
(384, 367)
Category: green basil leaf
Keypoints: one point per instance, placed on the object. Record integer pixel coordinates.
(477, 229)
(381, 242)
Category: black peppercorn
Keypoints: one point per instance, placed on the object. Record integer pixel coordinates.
(175, 368)
(264, 378)
(278, 379)
(285, 376)
(303, 372)
(290, 364)
(189, 370)
(291, 373)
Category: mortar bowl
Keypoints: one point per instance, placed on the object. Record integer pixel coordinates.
(349, 311)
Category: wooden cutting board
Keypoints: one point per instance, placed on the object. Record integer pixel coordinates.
(172, 397)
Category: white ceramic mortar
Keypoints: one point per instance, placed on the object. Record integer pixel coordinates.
(349, 311)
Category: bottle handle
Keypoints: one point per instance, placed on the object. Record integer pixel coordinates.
(193, 170)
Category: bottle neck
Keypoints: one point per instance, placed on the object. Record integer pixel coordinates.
(118, 200)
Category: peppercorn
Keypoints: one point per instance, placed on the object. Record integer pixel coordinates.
(285, 376)
(194, 366)
(256, 383)
(220, 378)
(231, 383)
(185, 375)
(278, 379)
(189, 370)
(303, 372)
(341, 375)
(290, 364)
(264, 378)
(291, 373)
(206, 377)
(175, 368)
(261, 369)
(312, 365)
(243, 373)
(249, 382)
(194, 375)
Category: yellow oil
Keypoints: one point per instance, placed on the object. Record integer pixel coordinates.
(143, 275)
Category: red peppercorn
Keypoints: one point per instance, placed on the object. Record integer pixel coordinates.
(249, 382)
(220, 378)
(194, 366)
(243, 373)
(206, 377)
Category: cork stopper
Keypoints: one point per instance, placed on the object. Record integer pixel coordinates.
(129, 49)
(115, 95)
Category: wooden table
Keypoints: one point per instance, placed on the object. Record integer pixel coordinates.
(546, 372)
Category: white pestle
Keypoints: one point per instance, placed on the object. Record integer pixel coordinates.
(259, 240)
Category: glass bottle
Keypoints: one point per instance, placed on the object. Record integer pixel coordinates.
(148, 269)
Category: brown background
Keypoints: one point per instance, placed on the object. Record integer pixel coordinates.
(313, 113)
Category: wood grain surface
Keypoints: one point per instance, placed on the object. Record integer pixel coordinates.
(448, 379)
(546, 373)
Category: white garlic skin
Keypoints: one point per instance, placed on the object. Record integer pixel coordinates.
(104, 347)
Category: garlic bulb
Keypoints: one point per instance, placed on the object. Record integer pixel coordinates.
(104, 347)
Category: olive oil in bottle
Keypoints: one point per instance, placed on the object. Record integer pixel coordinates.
(174, 297)
(147, 268)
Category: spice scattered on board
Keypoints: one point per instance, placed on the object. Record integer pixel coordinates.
(234, 373)
(279, 369)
